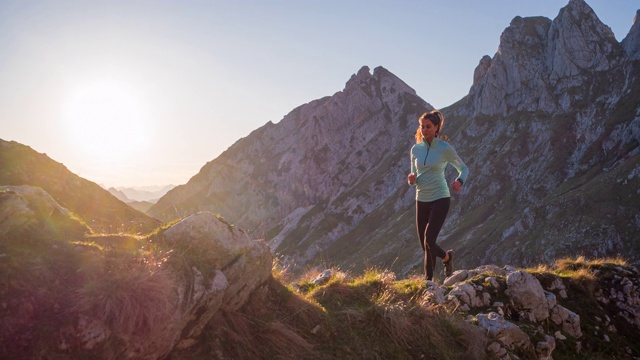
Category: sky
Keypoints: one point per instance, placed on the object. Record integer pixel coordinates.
(142, 93)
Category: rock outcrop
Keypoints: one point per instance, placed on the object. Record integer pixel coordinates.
(539, 307)
(578, 308)
(224, 268)
(108, 296)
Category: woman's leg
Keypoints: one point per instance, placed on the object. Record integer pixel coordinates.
(437, 216)
(422, 220)
(423, 210)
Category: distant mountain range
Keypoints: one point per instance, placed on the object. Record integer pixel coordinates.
(141, 199)
(149, 194)
(550, 131)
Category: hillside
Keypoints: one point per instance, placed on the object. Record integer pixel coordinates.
(202, 289)
(101, 211)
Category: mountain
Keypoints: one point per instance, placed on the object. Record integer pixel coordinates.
(131, 194)
(101, 211)
(151, 194)
(315, 171)
(318, 174)
(140, 205)
(550, 131)
(118, 194)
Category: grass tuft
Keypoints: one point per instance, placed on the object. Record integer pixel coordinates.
(134, 301)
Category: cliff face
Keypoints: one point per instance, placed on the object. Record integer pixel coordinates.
(550, 131)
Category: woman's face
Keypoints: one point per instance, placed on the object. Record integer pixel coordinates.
(428, 129)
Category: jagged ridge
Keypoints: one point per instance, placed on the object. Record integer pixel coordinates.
(550, 131)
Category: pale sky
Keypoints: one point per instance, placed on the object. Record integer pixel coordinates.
(135, 93)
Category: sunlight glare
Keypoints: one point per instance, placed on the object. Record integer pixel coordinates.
(106, 120)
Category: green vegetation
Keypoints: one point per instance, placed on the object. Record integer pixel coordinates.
(49, 277)
(374, 315)
(585, 279)
(127, 282)
(368, 316)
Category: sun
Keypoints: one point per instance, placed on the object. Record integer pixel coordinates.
(106, 120)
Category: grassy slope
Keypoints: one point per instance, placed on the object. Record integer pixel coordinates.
(54, 268)
(376, 316)
(372, 316)
(126, 281)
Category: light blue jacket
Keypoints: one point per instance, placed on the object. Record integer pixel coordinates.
(428, 163)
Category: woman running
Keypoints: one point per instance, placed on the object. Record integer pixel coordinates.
(429, 158)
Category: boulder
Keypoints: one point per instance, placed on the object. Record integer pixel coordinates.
(222, 268)
(527, 295)
(506, 333)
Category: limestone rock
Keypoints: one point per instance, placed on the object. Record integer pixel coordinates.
(545, 348)
(507, 333)
(527, 294)
(436, 293)
(569, 320)
(245, 263)
(323, 277)
(579, 41)
(538, 59)
(467, 294)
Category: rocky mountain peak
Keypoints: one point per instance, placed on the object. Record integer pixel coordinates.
(309, 162)
(579, 41)
(482, 68)
(538, 60)
(360, 77)
(631, 42)
(511, 79)
(329, 180)
(389, 85)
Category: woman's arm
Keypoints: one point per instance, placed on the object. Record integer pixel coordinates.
(463, 170)
(411, 178)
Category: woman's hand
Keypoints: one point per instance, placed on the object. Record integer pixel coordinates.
(456, 186)
(411, 178)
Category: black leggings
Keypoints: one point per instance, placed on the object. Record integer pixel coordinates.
(430, 217)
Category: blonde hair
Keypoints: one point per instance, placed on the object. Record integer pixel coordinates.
(437, 118)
